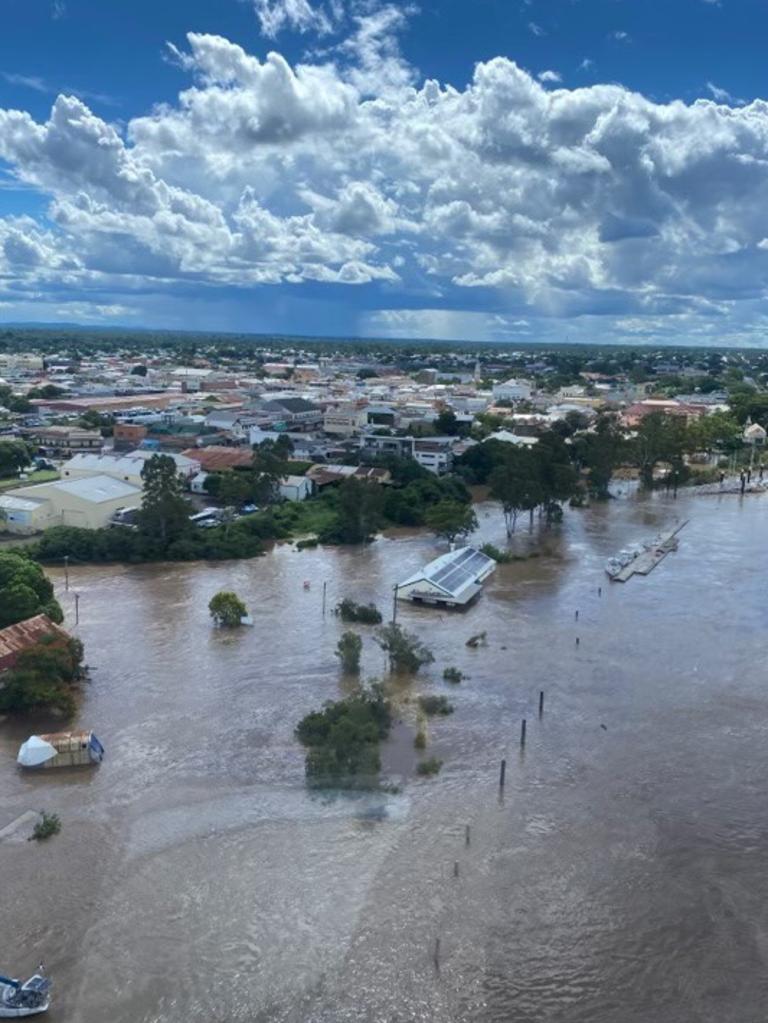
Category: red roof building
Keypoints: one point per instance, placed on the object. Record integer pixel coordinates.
(15, 639)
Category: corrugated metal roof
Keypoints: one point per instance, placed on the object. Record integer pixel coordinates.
(455, 573)
(14, 639)
(97, 489)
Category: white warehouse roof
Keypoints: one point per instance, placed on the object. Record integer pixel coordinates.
(454, 578)
(96, 489)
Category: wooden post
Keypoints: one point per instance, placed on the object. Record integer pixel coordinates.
(66, 571)
(455, 868)
(577, 641)
(466, 835)
(577, 616)
(77, 609)
(437, 954)
(541, 702)
(502, 773)
(325, 588)
(394, 604)
(522, 732)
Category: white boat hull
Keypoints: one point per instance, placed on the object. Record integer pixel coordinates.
(13, 996)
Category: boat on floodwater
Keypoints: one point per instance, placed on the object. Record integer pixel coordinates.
(29, 998)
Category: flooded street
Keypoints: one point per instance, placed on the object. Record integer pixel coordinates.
(623, 875)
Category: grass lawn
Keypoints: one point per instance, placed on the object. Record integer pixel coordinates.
(41, 476)
(305, 517)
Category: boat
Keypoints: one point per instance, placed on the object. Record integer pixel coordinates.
(60, 749)
(29, 998)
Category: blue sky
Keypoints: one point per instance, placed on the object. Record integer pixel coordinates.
(548, 170)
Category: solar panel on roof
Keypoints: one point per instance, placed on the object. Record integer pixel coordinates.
(459, 571)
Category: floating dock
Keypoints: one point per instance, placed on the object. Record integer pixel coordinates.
(647, 560)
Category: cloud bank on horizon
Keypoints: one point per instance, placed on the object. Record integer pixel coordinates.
(512, 207)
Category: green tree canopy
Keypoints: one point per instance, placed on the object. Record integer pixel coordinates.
(164, 510)
(25, 591)
(227, 609)
(450, 519)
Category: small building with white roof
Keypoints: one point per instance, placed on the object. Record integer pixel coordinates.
(452, 580)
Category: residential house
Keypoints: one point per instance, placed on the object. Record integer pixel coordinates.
(15, 639)
(295, 488)
(434, 453)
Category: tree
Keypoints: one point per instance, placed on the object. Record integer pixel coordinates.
(660, 438)
(14, 455)
(359, 508)
(43, 677)
(406, 651)
(447, 424)
(227, 609)
(164, 509)
(25, 591)
(343, 739)
(450, 519)
(348, 651)
(516, 486)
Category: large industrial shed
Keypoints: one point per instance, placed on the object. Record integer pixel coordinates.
(452, 580)
(90, 503)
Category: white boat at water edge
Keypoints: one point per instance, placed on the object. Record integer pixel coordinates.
(29, 998)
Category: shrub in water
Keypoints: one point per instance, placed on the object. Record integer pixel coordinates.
(426, 768)
(435, 705)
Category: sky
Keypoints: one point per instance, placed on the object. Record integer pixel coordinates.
(489, 170)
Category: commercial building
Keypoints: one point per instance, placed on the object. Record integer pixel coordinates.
(89, 503)
(63, 441)
(345, 420)
(513, 390)
(123, 467)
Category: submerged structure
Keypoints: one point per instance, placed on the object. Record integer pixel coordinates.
(60, 749)
(452, 580)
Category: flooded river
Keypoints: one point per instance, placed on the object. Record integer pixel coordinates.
(621, 878)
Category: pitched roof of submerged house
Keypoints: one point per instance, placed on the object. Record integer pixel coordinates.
(15, 639)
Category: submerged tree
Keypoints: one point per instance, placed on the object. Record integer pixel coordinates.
(450, 519)
(405, 650)
(227, 609)
(348, 650)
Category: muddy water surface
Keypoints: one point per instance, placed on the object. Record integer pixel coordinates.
(623, 876)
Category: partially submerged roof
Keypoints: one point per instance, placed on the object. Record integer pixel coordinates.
(456, 575)
(15, 639)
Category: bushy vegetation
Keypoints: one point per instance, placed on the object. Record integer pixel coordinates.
(364, 614)
(227, 610)
(44, 677)
(407, 654)
(348, 650)
(491, 551)
(25, 590)
(429, 767)
(342, 740)
(453, 675)
(48, 825)
(432, 705)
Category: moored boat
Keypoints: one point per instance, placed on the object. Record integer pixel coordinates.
(29, 998)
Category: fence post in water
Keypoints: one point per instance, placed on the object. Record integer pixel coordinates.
(577, 616)
(66, 572)
(437, 954)
(599, 591)
(455, 868)
(502, 773)
(394, 604)
(466, 835)
(77, 609)
(522, 733)
(325, 589)
(541, 702)
(577, 641)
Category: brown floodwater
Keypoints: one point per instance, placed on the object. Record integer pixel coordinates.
(622, 876)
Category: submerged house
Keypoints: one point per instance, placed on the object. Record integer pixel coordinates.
(452, 580)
